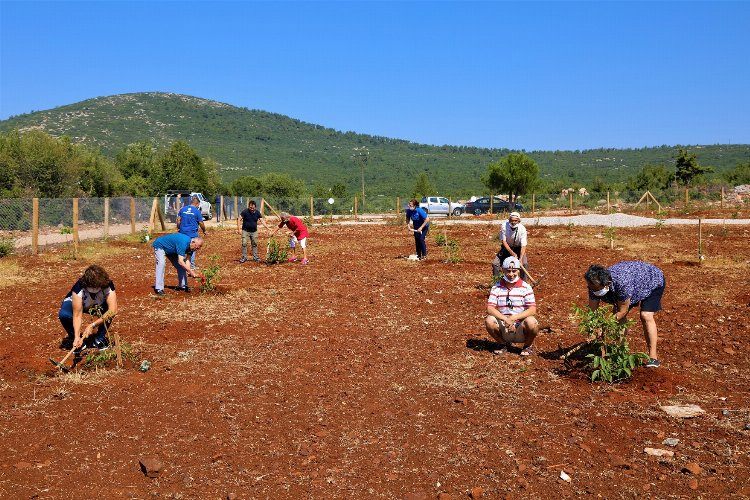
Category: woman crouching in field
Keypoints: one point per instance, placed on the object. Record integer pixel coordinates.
(93, 293)
(626, 285)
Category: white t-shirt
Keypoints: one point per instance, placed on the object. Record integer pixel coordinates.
(515, 237)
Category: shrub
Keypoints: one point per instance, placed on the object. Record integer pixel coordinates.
(66, 230)
(211, 275)
(615, 361)
(452, 251)
(7, 247)
(440, 239)
(276, 254)
(102, 358)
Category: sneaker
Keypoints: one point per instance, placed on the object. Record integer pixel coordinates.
(653, 363)
(67, 343)
(527, 351)
(304, 261)
(185, 289)
(101, 345)
(243, 260)
(160, 293)
(256, 259)
(292, 259)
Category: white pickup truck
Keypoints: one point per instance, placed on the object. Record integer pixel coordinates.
(440, 205)
(174, 200)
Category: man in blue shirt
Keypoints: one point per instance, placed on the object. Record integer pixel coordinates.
(189, 219)
(174, 247)
(420, 224)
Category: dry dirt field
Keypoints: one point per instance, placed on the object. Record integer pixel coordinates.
(364, 375)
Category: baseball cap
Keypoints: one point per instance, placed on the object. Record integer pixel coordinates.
(511, 263)
(514, 214)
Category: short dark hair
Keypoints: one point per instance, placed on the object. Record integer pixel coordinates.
(598, 275)
(195, 200)
(252, 202)
(414, 201)
(95, 277)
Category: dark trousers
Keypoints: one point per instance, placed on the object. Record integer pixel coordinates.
(503, 254)
(66, 318)
(420, 242)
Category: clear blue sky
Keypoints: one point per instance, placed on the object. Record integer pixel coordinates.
(519, 75)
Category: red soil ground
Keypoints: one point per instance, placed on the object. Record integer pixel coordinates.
(367, 375)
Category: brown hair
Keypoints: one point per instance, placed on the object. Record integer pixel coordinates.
(95, 277)
(414, 201)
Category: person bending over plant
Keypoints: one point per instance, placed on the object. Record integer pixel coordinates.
(626, 285)
(94, 294)
(299, 235)
(511, 307)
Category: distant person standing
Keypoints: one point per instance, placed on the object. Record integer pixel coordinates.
(218, 207)
(189, 219)
(513, 241)
(418, 222)
(249, 229)
(299, 235)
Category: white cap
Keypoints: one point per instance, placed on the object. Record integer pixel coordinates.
(511, 263)
(514, 214)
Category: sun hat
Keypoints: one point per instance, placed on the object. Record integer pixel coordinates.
(514, 214)
(511, 263)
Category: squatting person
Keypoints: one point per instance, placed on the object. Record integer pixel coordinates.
(511, 307)
(626, 285)
(418, 222)
(299, 235)
(513, 240)
(189, 219)
(249, 229)
(175, 247)
(94, 294)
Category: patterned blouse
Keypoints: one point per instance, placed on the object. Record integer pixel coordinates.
(632, 279)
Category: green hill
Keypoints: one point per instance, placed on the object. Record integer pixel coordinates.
(253, 142)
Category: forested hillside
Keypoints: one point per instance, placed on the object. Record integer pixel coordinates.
(253, 142)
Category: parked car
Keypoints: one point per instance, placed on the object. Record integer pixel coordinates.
(440, 205)
(482, 206)
(175, 199)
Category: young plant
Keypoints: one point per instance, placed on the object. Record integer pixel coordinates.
(440, 239)
(452, 251)
(614, 361)
(211, 274)
(276, 253)
(7, 247)
(102, 358)
(610, 233)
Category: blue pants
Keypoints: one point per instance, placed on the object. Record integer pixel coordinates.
(420, 242)
(66, 318)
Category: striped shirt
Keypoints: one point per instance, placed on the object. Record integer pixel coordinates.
(511, 298)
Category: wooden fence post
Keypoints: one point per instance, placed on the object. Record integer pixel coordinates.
(312, 211)
(687, 197)
(570, 194)
(224, 209)
(721, 203)
(106, 218)
(609, 207)
(152, 217)
(533, 203)
(132, 215)
(492, 200)
(355, 207)
(75, 227)
(35, 226)
(262, 203)
(398, 205)
(700, 240)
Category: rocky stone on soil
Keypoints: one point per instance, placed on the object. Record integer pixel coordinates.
(658, 452)
(692, 468)
(145, 366)
(565, 477)
(671, 442)
(419, 495)
(693, 484)
(618, 461)
(151, 466)
(747, 427)
(683, 411)
(476, 492)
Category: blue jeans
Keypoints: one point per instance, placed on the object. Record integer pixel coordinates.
(66, 318)
(420, 242)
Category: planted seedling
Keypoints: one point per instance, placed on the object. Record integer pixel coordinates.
(210, 275)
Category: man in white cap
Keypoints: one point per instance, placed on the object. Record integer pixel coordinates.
(512, 244)
(511, 307)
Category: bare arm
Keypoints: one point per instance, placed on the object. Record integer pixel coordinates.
(495, 313)
(594, 304)
(426, 221)
(185, 264)
(203, 227)
(77, 320)
(620, 309)
(531, 311)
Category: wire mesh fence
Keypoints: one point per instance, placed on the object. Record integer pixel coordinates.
(62, 220)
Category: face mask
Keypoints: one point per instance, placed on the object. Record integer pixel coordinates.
(602, 292)
(93, 291)
(511, 280)
(514, 225)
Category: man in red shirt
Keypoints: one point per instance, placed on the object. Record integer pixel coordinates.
(299, 235)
